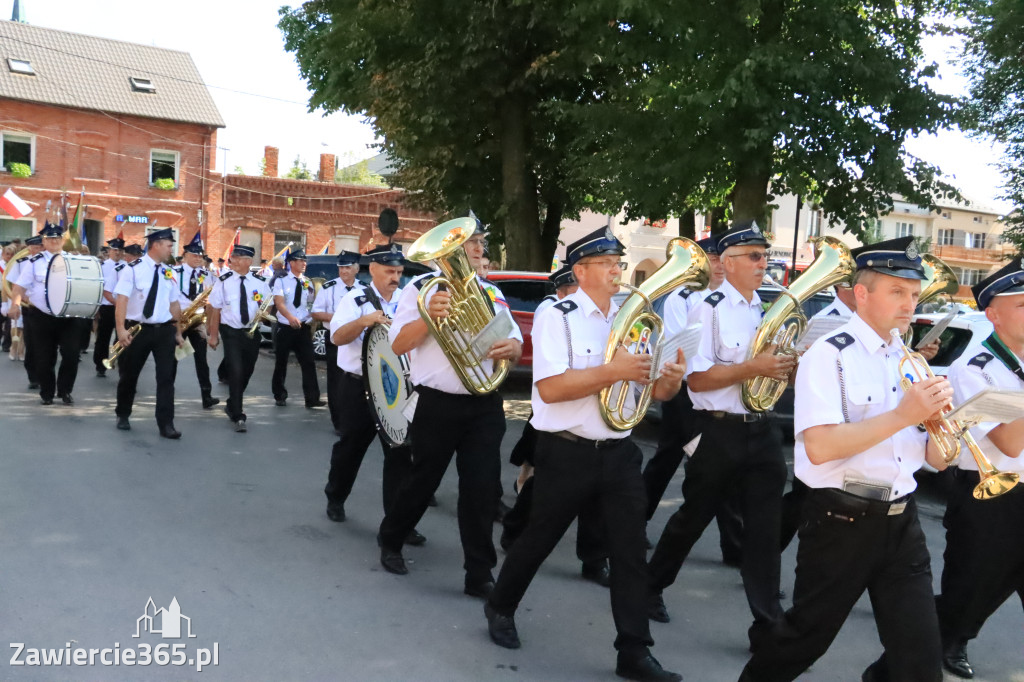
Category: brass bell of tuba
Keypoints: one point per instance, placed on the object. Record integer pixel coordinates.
(939, 280)
(470, 308)
(784, 321)
(636, 322)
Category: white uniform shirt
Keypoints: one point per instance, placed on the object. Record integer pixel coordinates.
(869, 382)
(135, 282)
(110, 277)
(429, 365)
(353, 306)
(330, 296)
(227, 293)
(679, 307)
(285, 286)
(544, 304)
(184, 273)
(974, 371)
(588, 330)
(32, 277)
(835, 309)
(737, 321)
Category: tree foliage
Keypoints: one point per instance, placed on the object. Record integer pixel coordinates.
(299, 170)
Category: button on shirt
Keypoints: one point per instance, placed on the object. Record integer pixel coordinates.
(429, 364)
(110, 277)
(351, 308)
(869, 380)
(589, 329)
(737, 322)
(967, 380)
(285, 287)
(225, 297)
(32, 278)
(331, 294)
(135, 282)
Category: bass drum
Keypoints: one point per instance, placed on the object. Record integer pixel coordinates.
(74, 285)
(387, 385)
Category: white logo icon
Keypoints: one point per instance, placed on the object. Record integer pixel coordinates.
(163, 622)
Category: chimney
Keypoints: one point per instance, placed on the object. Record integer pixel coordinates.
(270, 162)
(327, 162)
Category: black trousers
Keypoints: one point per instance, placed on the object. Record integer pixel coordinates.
(49, 335)
(5, 329)
(86, 332)
(240, 355)
(470, 428)
(300, 342)
(984, 557)
(158, 341)
(28, 335)
(104, 330)
(358, 429)
(792, 511)
(195, 337)
(569, 477)
(335, 402)
(847, 546)
(733, 458)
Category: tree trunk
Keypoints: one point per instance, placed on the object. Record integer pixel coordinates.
(750, 194)
(549, 235)
(519, 193)
(688, 224)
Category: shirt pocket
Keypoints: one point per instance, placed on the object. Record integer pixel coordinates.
(864, 400)
(584, 358)
(732, 347)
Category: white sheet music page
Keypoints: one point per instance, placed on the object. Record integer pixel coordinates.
(819, 327)
(991, 405)
(936, 330)
(688, 339)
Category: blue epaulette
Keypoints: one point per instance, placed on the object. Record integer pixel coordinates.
(224, 276)
(420, 281)
(260, 277)
(980, 360)
(36, 257)
(362, 300)
(715, 298)
(841, 341)
(328, 285)
(834, 311)
(566, 306)
(135, 262)
(23, 258)
(118, 267)
(684, 293)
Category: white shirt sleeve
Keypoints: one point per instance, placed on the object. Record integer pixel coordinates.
(279, 287)
(216, 299)
(818, 393)
(968, 380)
(126, 282)
(408, 311)
(26, 275)
(347, 310)
(704, 358)
(550, 346)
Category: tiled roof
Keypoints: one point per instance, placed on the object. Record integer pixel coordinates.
(86, 72)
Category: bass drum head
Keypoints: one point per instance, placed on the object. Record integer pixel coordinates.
(74, 285)
(386, 380)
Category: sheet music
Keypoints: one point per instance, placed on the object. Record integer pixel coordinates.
(820, 326)
(688, 339)
(991, 405)
(936, 330)
(182, 352)
(497, 329)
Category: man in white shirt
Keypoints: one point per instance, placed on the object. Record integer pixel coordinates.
(34, 244)
(105, 324)
(324, 307)
(147, 296)
(293, 295)
(193, 280)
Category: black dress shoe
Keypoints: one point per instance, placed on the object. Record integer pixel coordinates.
(209, 401)
(954, 659)
(597, 572)
(503, 509)
(502, 628)
(644, 669)
(336, 512)
(482, 590)
(392, 561)
(169, 431)
(46, 401)
(240, 426)
(67, 399)
(280, 402)
(415, 538)
(315, 403)
(123, 425)
(656, 610)
(102, 373)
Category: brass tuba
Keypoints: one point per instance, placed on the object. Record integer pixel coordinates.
(832, 264)
(470, 309)
(7, 285)
(195, 314)
(939, 280)
(686, 265)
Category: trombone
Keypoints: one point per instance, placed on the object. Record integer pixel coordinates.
(947, 433)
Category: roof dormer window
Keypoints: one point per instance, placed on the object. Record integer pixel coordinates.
(22, 66)
(142, 84)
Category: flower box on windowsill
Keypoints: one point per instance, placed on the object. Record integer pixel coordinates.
(165, 184)
(19, 170)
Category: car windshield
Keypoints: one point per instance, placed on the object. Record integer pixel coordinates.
(524, 295)
(952, 343)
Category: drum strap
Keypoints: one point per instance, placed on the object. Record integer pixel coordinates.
(372, 298)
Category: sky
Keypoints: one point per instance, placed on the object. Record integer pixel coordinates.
(240, 54)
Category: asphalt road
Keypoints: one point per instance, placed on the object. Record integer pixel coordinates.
(94, 522)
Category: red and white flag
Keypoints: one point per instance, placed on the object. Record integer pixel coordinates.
(13, 204)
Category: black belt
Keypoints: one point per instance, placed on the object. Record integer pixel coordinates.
(856, 505)
(590, 443)
(151, 324)
(352, 375)
(748, 417)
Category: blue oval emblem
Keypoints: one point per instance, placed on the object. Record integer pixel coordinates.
(389, 381)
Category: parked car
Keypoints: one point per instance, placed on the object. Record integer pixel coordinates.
(524, 292)
(966, 331)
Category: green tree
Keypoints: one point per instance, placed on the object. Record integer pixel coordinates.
(359, 174)
(299, 170)
(995, 43)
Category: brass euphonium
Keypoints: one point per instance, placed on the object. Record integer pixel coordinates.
(195, 314)
(636, 321)
(939, 280)
(946, 433)
(470, 309)
(784, 321)
(262, 314)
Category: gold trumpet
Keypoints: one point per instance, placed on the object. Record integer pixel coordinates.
(117, 348)
(947, 433)
(686, 264)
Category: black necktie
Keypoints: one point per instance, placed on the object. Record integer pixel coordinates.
(243, 300)
(192, 285)
(147, 310)
(298, 293)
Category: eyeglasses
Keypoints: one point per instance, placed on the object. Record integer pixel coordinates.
(479, 241)
(753, 256)
(611, 265)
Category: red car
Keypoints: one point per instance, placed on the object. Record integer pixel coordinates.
(523, 291)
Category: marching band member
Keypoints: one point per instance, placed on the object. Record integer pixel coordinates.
(147, 295)
(194, 279)
(359, 311)
(857, 448)
(984, 558)
(233, 306)
(105, 325)
(324, 306)
(591, 547)
(449, 420)
(47, 332)
(35, 246)
(738, 449)
(581, 462)
(292, 294)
